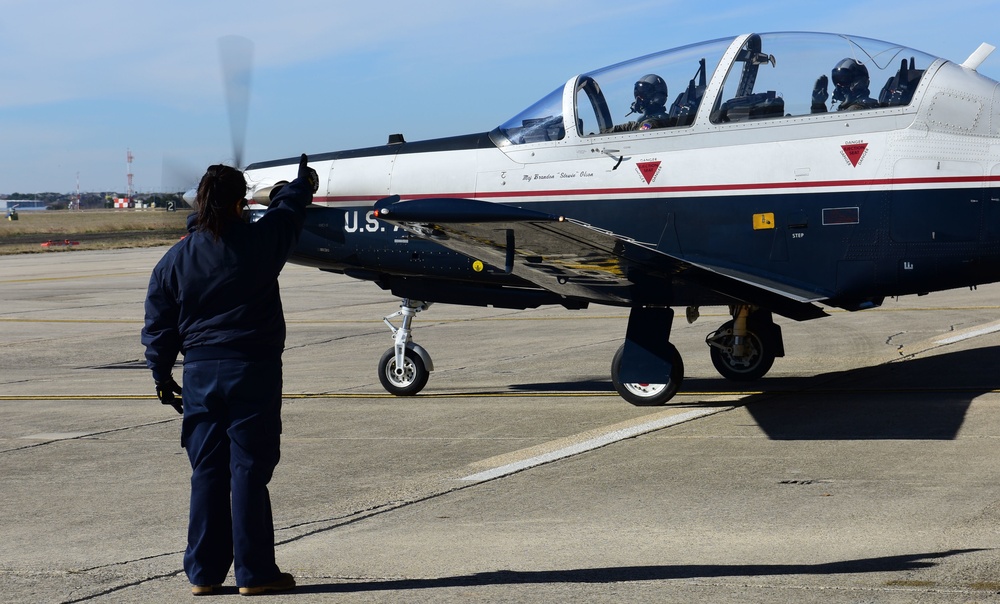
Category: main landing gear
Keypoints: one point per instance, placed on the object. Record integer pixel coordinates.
(643, 394)
(404, 369)
(647, 370)
(742, 350)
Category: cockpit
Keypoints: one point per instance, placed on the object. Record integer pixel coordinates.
(725, 81)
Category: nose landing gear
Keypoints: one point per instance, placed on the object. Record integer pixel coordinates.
(404, 369)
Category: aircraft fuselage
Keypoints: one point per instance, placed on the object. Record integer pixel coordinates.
(752, 193)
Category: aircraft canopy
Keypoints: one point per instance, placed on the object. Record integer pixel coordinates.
(726, 80)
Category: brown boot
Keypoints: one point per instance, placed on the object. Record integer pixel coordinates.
(205, 590)
(284, 582)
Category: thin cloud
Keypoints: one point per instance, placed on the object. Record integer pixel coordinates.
(109, 74)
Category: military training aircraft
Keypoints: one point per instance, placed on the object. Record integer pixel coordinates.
(767, 173)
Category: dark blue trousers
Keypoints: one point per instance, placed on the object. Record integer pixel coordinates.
(231, 431)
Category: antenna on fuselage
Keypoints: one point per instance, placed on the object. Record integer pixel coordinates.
(976, 58)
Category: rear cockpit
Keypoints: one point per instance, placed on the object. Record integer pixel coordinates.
(800, 74)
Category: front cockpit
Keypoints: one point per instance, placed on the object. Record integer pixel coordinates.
(725, 81)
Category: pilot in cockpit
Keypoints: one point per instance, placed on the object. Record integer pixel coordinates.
(850, 81)
(651, 101)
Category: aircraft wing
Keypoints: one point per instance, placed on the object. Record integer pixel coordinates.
(574, 259)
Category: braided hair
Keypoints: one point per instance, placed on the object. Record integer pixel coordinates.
(219, 190)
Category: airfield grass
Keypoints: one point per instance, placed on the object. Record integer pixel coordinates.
(92, 229)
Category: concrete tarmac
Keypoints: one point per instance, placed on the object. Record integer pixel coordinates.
(861, 469)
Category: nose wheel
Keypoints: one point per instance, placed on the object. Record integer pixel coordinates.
(404, 369)
(402, 380)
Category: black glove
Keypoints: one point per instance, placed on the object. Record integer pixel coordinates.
(820, 94)
(166, 390)
(308, 173)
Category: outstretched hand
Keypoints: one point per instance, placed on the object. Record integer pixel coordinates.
(821, 90)
(308, 173)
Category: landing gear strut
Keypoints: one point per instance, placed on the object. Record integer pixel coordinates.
(647, 369)
(404, 369)
(744, 349)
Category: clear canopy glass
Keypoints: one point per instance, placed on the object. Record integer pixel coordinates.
(769, 75)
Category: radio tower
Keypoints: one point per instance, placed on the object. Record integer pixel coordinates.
(128, 192)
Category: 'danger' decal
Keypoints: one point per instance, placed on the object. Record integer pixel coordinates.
(649, 170)
(854, 152)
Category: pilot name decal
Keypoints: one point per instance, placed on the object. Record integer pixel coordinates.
(649, 170)
(854, 152)
(560, 175)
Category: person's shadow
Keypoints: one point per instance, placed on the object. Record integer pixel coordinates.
(921, 398)
(905, 562)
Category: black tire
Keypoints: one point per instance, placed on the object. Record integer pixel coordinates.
(648, 395)
(754, 367)
(414, 377)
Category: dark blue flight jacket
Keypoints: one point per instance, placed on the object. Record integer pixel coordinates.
(212, 299)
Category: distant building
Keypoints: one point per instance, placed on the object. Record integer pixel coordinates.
(22, 204)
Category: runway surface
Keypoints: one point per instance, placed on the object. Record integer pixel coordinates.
(863, 468)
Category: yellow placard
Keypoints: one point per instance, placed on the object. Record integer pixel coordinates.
(763, 221)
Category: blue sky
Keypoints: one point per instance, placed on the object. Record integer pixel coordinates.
(85, 81)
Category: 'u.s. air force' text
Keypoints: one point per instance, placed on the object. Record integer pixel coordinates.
(352, 223)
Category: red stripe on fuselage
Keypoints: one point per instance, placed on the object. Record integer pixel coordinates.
(645, 191)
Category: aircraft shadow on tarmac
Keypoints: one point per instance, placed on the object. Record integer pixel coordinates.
(901, 563)
(924, 398)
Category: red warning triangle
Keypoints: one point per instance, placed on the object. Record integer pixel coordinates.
(854, 152)
(648, 170)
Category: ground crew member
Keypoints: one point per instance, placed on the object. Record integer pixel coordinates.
(213, 297)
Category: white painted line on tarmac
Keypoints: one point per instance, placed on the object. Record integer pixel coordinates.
(56, 436)
(662, 420)
(968, 335)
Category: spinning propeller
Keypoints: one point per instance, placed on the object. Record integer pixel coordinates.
(236, 60)
(236, 56)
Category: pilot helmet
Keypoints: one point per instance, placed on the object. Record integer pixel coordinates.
(650, 93)
(849, 76)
